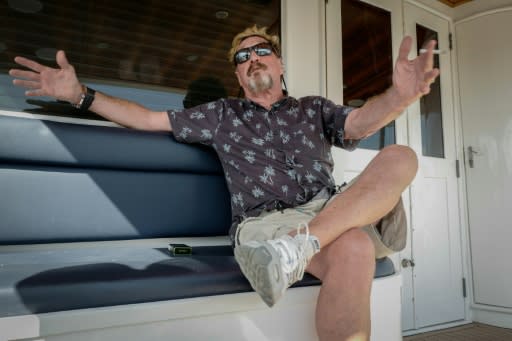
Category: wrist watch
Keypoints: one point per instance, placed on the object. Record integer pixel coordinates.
(86, 98)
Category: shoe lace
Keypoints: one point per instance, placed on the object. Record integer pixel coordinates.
(294, 253)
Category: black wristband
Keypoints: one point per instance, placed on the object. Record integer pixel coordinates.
(86, 99)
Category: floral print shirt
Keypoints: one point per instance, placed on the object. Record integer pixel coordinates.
(272, 159)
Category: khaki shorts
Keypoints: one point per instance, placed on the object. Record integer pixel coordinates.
(273, 224)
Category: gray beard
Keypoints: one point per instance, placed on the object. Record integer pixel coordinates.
(261, 83)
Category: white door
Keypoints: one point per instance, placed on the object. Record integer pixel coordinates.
(432, 263)
(484, 50)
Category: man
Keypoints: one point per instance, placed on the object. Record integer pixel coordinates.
(288, 216)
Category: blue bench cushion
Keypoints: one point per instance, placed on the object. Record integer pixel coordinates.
(40, 142)
(47, 204)
(64, 279)
(67, 182)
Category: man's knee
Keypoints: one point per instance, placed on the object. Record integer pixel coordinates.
(355, 243)
(403, 157)
(353, 249)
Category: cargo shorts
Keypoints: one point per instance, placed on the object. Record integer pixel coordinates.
(389, 234)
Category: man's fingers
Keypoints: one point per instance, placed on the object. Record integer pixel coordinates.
(30, 75)
(28, 63)
(62, 61)
(428, 55)
(405, 48)
(431, 76)
(35, 92)
(431, 44)
(27, 84)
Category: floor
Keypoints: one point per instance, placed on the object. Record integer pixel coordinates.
(469, 332)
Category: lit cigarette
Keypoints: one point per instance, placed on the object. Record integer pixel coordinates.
(433, 51)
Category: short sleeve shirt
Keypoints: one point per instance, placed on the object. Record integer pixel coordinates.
(272, 159)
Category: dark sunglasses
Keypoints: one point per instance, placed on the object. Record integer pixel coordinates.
(261, 49)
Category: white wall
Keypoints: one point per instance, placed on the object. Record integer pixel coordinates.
(303, 46)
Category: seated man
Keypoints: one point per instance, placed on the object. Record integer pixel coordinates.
(288, 216)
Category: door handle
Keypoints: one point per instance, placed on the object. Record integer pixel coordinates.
(408, 262)
(471, 152)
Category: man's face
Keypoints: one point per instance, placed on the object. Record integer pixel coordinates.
(259, 73)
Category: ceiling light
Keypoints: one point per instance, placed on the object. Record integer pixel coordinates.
(103, 45)
(222, 15)
(26, 6)
(192, 58)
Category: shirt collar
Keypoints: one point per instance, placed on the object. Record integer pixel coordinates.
(275, 105)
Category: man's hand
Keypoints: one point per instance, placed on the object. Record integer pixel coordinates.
(60, 83)
(412, 78)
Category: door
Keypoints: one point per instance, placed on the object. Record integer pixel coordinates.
(432, 263)
(484, 50)
(432, 288)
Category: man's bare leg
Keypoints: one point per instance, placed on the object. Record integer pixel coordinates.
(346, 262)
(346, 268)
(372, 196)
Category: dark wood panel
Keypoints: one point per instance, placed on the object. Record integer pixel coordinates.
(158, 42)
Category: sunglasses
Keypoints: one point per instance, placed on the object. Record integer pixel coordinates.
(261, 49)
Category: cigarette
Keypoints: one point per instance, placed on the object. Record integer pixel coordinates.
(433, 51)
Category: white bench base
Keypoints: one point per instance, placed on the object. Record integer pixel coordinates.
(227, 317)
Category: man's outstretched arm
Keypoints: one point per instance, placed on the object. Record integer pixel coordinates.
(411, 80)
(63, 84)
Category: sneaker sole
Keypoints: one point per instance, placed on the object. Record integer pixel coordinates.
(261, 268)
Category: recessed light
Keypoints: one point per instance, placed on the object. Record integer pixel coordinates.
(103, 45)
(46, 53)
(222, 15)
(26, 6)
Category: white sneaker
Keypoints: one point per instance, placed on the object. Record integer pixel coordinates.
(272, 266)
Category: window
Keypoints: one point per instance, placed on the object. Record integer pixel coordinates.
(152, 52)
(367, 60)
(432, 136)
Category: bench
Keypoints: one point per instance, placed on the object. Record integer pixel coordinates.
(86, 214)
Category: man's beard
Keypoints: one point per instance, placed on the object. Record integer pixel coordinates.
(262, 81)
